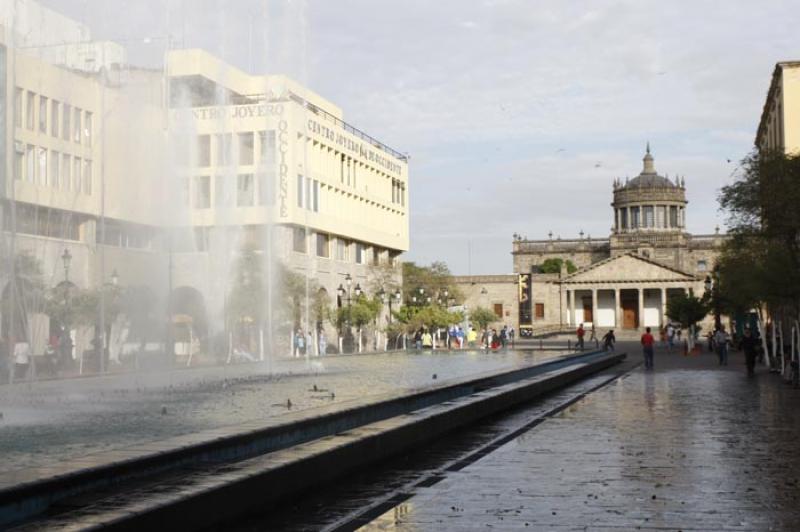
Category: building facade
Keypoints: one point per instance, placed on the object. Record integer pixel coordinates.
(779, 127)
(164, 176)
(623, 281)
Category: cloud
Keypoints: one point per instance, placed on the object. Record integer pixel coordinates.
(483, 94)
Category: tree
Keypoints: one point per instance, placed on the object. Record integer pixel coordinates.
(553, 265)
(482, 317)
(686, 309)
(762, 261)
(433, 279)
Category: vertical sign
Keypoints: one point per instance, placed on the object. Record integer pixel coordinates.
(525, 316)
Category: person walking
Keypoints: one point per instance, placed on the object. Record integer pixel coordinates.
(323, 343)
(721, 343)
(670, 336)
(427, 340)
(749, 344)
(580, 333)
(511, 334)
(418, 339)
(647, 348)
(504, 336)
(609, 340)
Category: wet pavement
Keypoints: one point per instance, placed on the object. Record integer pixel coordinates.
(689, 446)
(47, 422)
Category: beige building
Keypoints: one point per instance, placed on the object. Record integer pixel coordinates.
(161, 177)
(623, 281)
(779, 127)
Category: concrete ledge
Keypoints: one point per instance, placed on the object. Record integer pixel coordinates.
(214, 497)
(31, 492)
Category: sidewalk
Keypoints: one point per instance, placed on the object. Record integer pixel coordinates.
(690, 446)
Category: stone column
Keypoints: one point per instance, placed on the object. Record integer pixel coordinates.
(594, 307)
(663, 306)
(641, 308)
(617, 308)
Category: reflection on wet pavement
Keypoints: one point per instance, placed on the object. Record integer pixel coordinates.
(49, 421)
(690, 446)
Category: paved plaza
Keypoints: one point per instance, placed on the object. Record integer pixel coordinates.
(689, 446)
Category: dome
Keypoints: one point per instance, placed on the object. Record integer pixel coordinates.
(648, 177)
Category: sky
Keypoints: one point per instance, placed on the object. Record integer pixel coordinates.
(517, 115)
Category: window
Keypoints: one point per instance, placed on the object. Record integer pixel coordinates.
(342, 249)
(204, 150)
(266, 190)
(43, 114)
(539, 311)
(66, 121)
(323, 245)
(341, 168)
(54, 122)
(300, 191)
(634, 217)
(361, 254)
(267, 141)
(702, 266)
(19, 95)
(245, 190)
(222, 196)
(245, 149)
(648, 217)
(661, 216)
(299, 239)
(19, 165)
(30, 163)
(498, 310)
(66, 171)
(376, 256)
(76, 173)
(55, 162)
(87, 128)
(315, 196)
(223, 141)
(29, 111)
(202, 192)
(87, 177)
(41, 161)
(77, 132)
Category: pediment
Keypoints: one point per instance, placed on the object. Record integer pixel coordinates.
(628, 268)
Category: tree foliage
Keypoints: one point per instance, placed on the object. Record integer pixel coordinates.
(433, 279)
(761, 263)
(553, 265)
(482, 317)
(686, 309)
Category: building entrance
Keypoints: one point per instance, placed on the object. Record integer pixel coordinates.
(630, 313)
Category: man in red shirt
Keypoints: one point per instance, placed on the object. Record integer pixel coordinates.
(647, 347)
(580, 333)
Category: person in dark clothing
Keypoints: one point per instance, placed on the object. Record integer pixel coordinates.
(609, 340)
(749, 345)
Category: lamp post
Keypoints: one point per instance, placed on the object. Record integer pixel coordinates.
(712, 289)
(66, 258)
(345, 294)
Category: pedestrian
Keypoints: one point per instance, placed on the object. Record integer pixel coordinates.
(670, 336)
(721, 343)
(486, 338)
(472, 337)
(749, 344)
(609, 340)
(460, 337)
(323, 343)
(511, 334)
(504, 336)
(418, 339)
(592, 335)
(300, 343)
(22, 358)
(495, 339)
(580, 333)
(647, 348)
(427, 340)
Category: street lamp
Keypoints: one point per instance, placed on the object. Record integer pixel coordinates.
(66, 258)
(711, 285)
(344, 294)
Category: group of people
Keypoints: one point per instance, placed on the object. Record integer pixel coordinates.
(302, 343)
(458, 338)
